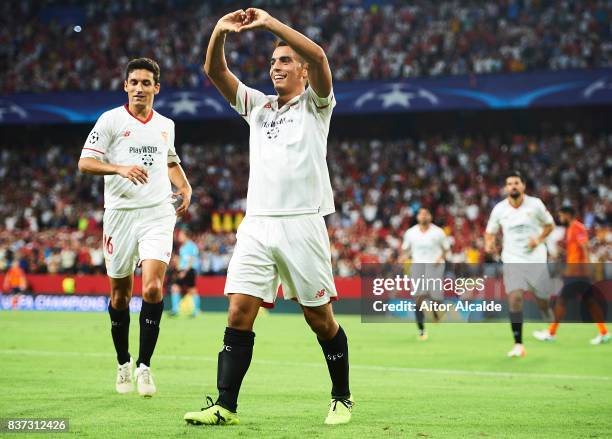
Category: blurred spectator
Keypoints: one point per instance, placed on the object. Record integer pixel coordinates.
(15, 280)
(472, 254)
(378, 186)
(42, 50)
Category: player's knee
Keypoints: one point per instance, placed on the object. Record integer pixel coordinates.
(239, 317)
(323, 327)
(152, 291)
(516, 305)
(120, 302)
(515, 301)
(317, 326)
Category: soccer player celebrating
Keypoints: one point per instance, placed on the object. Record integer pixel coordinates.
(525, 223)
(576, 279)
(133, 147)
(283, 236)
(427, 246)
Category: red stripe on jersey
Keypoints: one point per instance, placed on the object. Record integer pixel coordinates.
(322, 106)
(246, 103)
(91, 149)
(149, 117)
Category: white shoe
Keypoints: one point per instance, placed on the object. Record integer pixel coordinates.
(544, 335)
(144, 381)
(517, 351)
(601, 339)
(124, 383)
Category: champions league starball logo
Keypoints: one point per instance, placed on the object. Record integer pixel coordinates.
(272, 133)
(601, 86)
(10, 112)
(188, 103)
(93, 137)
(396, 95)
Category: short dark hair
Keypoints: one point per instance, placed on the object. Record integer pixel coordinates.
(144, 64)
(516, 174)
(278, 43)
(568, 209)
(283, 43)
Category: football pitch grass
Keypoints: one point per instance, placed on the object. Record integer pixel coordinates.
(457, 384)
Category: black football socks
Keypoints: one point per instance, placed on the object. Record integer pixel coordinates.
(516, 323)
(420, 319)
(233, 363)
(336, 356)
(120, 330)
(150, 316)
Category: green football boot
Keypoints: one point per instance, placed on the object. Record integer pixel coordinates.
(213, 414)
(340, 411)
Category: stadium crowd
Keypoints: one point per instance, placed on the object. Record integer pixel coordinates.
(82, 45)
(50, 219)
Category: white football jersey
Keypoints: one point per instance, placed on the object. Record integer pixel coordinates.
(121, 139)
(518, 225)
(288, 146)
(427, 246)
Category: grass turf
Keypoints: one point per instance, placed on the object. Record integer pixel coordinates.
(457, 384)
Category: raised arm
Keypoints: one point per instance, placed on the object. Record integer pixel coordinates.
(319, 73)
(215, 65)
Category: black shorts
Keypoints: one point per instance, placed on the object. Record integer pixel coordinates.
(576, 286)
(188, 280)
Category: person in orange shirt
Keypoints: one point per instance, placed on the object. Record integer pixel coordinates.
(15, 279)
(576, 278)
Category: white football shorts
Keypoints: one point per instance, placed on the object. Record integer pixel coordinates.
(133, 235)
(290, 250)
(430, 277)
(532, 277)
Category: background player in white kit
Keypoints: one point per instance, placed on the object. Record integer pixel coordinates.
(283, 236)
(427, 246)
(133, 147)
(525, 224)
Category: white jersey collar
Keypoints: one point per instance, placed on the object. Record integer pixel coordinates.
(290, 103)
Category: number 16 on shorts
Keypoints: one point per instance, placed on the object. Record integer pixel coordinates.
(107, 242)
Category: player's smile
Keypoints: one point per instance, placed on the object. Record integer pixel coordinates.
(286, 71)
(278, 75)
(281, 81)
